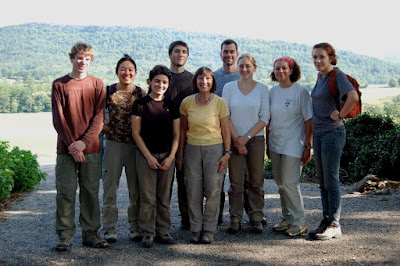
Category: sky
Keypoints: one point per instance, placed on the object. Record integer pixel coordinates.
(364, 27)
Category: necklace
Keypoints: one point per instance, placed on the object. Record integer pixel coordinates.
(203, 102)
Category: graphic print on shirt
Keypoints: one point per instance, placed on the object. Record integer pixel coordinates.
(287, 103)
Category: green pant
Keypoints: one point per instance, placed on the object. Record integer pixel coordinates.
(68, 174)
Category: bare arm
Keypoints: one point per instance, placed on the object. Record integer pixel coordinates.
(226, 137)
(352, 99)
(242, 140)
(308, 142)
(175, 143)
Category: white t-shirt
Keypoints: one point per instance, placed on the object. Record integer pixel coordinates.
(290, 108)
(246, 110)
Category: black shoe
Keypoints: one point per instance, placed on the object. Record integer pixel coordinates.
(264, 221)
(321, 228)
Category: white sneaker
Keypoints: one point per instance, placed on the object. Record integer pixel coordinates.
(110, 235)
(332, 231)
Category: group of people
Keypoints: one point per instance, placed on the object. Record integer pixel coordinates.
(195, 127)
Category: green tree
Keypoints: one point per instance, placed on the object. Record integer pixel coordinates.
(393, 83)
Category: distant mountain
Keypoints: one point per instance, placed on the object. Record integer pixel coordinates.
(40, 52)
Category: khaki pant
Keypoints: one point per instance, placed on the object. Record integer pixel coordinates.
(118, 155)
(203, 180)
(155, 196)
(287, 171)
(68, 175)
(255, 165)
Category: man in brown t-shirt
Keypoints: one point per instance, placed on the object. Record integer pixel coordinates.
(78, 101)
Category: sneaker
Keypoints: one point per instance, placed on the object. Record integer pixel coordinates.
(264, 221)
(281, 226)
(91, 238)
(135, 236)
(207, 237)
(321, 228)
(147, 242)
(165, 239)
(332, 231)
(234, 228)
(195, 237)
(64, 244)
(295, 230)
(110, 235)
(256, 227)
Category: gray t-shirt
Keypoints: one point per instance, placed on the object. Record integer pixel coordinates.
(323, 102)
(222, 77)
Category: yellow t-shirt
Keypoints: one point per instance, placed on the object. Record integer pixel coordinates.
(204, 121)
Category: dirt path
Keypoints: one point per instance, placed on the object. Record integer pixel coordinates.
(371, 235)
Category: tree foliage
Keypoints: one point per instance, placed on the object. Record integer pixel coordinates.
(36, 54)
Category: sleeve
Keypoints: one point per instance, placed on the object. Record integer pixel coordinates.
(223, 108)
(305, 104)
(226, 95)
(96, 123)
(136, 109)
(264, 112)
(183, 107)
(342, 84)
(59, 121)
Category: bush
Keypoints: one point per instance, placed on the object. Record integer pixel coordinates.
(6, 174)
(372, 147)
(19, 170)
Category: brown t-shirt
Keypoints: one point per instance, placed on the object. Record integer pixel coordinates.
(78, 111)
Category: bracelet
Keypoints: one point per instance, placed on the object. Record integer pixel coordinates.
(249, 137)
(229, 152)
(308, 147)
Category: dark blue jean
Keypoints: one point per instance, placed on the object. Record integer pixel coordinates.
(328, 149)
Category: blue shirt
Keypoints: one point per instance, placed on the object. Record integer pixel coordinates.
(222, 77)
(324, 103)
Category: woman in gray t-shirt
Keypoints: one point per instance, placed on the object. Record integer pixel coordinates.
(329, 137)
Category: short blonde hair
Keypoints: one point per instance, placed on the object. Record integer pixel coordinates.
(81, 47)
(248, 56)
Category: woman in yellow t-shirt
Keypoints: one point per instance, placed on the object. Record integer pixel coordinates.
(206, 138)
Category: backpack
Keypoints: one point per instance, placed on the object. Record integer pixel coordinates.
(334, 91)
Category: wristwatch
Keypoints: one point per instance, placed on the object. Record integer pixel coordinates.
(249, 137)
(230, 152)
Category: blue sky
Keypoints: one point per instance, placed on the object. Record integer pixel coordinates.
(364, 27)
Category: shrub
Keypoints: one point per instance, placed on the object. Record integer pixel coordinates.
(6, 174)
(372, 147)
(19, 170)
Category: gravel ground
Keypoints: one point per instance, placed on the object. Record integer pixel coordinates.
(370, 225)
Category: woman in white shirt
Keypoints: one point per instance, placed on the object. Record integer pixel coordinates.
(248, 105)
(289, 140)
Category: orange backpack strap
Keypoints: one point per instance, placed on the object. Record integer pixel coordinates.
(332, 83)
